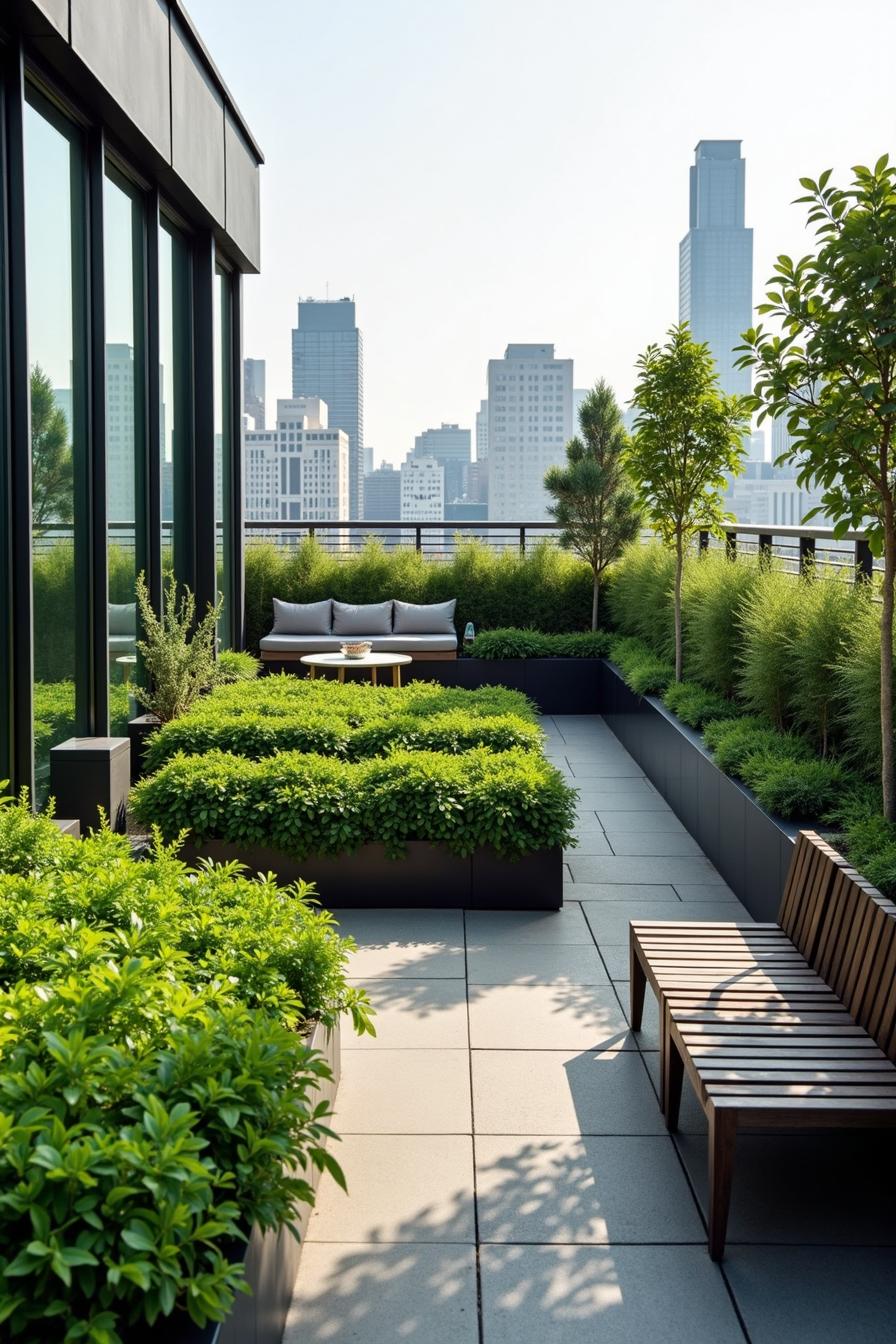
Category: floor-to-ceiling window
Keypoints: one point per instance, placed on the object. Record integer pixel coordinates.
(125, 475)
(175, 411)
(56, 353)
(222, 329)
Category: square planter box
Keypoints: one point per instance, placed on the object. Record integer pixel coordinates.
(271, 1261)
(429, 877)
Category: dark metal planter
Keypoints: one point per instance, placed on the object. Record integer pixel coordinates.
(750, 847)
(271, 1260)
(428, 877)
(89, 777)
(140, 730)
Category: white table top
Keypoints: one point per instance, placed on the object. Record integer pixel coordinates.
(369, 660)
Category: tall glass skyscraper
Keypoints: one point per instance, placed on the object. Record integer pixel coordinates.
(328, 362)
(715, 275)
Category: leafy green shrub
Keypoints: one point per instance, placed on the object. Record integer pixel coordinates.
(285, 713)
(767, 680)
(713, 594)
(232, 666)
(733, 741)
(28, 843)
(178, 651)
(822, 635)
(515, 643)
(545, 589)
(695, 705)
(306, 804)
(869, 842)
(643, 671)
(639, 597)
(858, 681)
(792, 787)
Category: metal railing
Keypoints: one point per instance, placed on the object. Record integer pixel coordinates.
(436, 539)
(796, 549)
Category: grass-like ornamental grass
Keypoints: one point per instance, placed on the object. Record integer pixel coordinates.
(157, 1096)
(646, 672)
(350, 721)
(511, 642)
(310, 804)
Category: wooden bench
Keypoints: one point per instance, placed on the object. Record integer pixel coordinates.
(789, 1026)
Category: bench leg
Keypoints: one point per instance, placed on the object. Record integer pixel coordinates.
(672, 1076)
(722, 1132)
(637, 985)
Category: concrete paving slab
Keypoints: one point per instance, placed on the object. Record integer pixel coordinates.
(414, 1014)
(404, 1092)
(546, 1017)
(505, 963)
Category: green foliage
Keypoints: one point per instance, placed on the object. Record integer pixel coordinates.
(828, 612)
(643, 671)
(307, 804)
(594, 501)
(156, 1097)
(794, 788)
(54, 713)
(767, 682)
(639, 597)
(285, 713)
(53, 580)
(515, 643)
(713, 593)
(232, 666)
(545, 589)
(178, 654)
(694, 704)
(858, 681)
(734, 741)
(52, 476)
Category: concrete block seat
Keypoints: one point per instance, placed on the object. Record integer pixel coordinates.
(426, 632)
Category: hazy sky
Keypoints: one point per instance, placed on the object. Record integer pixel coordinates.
(478, 172)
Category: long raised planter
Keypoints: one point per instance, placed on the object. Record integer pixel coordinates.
(428, 877)
(270, 1259)
(750, 847)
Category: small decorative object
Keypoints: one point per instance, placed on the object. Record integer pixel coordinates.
(469, 636)
(356, 648)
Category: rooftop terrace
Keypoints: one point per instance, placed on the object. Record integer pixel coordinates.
(510, 1174)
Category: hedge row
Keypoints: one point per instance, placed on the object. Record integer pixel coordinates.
(155, 1097)
(515, 643)
(546, 589)
(311, 804)
(351, 721)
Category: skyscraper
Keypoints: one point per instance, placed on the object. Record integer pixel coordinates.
(450, 446)
(328, 362)
(529, 424)
(253, 391)
(298, 470)
(715, 259)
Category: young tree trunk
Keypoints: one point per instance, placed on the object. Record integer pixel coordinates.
(594, 602)
(888, 782)
(679, 565)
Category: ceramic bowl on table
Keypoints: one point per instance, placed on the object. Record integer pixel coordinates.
(356, 648)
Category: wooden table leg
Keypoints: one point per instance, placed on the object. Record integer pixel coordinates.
(396, 676)
(341, 673)
(373, 676)
(312, 672)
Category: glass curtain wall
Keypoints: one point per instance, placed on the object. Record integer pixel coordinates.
(56, 353)
(175, 410)
(125, 475)
(221, 324)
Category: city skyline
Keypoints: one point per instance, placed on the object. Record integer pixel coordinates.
(545, 204)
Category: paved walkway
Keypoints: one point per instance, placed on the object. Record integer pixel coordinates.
(511, 1180)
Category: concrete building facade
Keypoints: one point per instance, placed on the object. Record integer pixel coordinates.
(450, 446)
(328, 362)
(529, 424)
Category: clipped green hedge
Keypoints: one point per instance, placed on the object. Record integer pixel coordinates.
(644, 671)
(352, 721)
(310, 804)
(156, 1099)
(512, 642)
(694, 704)
(545, 589)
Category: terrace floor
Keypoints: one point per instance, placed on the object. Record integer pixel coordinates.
(511, 1179)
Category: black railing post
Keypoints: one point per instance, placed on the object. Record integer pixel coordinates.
(765, 549)
(522, 541)
(807, 554)
(703, 541)
(731, 545)
(312, 532)
(418, 538)
(864, 561)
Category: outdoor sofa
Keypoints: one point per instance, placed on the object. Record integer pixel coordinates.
(423, 631)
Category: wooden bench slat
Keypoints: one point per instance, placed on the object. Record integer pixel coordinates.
(796, 1091)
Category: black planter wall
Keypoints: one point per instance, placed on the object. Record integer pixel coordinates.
(750, 848)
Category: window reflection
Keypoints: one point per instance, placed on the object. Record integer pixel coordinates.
(223, 393)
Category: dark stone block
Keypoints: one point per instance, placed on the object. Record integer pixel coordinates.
(140, 730)
(88, 774)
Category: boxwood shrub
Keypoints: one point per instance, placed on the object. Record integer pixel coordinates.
(285, 713)
(311, 804)
(512, 642)
(156, 1099)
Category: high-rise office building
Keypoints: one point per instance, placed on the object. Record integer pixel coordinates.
(529, 424)
(482, 431)
(715, 259)
(253, 391)
(423, 495)
(328, 362)
(298, 470)
(120, 480)
(382, 494)
(450, 446)
(578, 396)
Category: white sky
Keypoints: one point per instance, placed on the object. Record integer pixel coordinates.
(478, 172)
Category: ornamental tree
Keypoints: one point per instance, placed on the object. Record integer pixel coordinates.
(51, 457)
(830, 370)
(594, 501)
(688, 435)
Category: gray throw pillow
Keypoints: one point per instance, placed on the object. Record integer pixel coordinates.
(302, 618)
(123, 618)
(374, 618)
(433, 618)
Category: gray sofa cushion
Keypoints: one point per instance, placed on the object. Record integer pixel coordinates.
(274, 644)
(279, 643)
(302, 618)
(123, 618)
(433, 618)
(375, 618)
